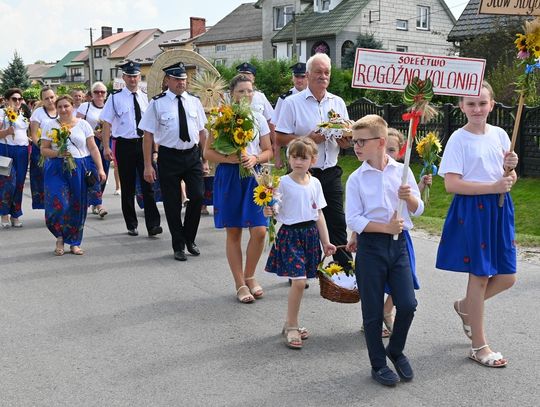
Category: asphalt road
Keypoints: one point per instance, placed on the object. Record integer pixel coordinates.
(127, 325)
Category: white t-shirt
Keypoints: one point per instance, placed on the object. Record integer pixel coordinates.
(261, 130)
(90, 113)
(79, 133)
(41, 116)
(299, 203)
(20, 138)
(476, 157)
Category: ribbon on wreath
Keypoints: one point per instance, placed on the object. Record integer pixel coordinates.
(415, 116)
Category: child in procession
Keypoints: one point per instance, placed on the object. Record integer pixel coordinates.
(478, 235)
(296, 251)
(373, 192)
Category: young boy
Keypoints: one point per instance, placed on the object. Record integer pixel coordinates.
(372, 197)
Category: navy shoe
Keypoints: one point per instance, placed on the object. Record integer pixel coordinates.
(180, 255)
(133, 232)
(193, 249)
(155, 230)
(385, 376)
(402, 365)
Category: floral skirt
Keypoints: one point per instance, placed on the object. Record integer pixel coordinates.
(36, 179)
(11, 188)
(65, 200)
(296, 253)
(233, 199)
(95, 193)
(478, 236)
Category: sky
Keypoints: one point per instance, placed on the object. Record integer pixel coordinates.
(48, 29)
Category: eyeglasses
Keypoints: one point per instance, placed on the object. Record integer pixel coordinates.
(360, 142)
(16, 99)
(100, 92)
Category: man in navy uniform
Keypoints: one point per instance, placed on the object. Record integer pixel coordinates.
(121, 115)
(300, 83)
(175, 121)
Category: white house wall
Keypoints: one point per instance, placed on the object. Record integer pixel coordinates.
(241, 51)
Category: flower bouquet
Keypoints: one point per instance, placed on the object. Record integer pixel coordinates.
(11, 115)
(336, 126)
(265, 194)
(60, 137)
(528, 47)
(428, 148)
(338, 284)
(233, 128)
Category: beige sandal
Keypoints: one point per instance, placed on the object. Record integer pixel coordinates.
(466, 328)
(388, 319)
(292, 341)
(244, 297)
(489, 360)
(76, 250)
(257, 290)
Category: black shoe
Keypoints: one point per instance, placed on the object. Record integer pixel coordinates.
(155, 230)
(385, 376)
(193, 249)
(402, 365)
(133, 232)
(180, 255)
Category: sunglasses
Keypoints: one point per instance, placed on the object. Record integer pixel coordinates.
(15, 99)
(100, 92)
(361, 142)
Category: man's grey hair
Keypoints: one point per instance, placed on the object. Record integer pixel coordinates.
(318, 56)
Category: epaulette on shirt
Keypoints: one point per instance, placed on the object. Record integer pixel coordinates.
(193, 94)
(115, 91)
(284, 95)
(159, 96)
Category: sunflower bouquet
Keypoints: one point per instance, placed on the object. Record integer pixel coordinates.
(233, 128)
(11, 115)
(528, 47)
(336, 126)
(60, 138)
(428, 148)
(265, 194)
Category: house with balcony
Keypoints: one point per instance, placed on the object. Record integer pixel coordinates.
(237, 37)
(63, 72)
(333, 26)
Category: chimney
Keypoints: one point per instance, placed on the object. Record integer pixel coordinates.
(106, 32)
(197, 26)
(119, 30)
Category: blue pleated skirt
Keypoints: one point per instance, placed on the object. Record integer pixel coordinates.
(11, 188)
(233, 199)
(478, 236)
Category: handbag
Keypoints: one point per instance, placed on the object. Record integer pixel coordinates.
(5, 164)
(90, 178)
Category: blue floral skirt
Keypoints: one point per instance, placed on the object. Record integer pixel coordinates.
(95, 193)
(11, 188)
(296, 253)
(233, 199)
(36, 179)
(65, 200)
(478, 236)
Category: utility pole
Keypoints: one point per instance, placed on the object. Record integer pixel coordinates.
(91, 54)
(294, 51)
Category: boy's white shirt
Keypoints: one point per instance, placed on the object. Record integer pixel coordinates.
(372, 196)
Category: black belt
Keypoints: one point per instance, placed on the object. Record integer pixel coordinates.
(129, 140)
(301, 225)
(177, 151)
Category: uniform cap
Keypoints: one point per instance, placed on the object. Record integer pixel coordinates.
(246, 67)
(299, 69)
(131, 68)
(177, 70)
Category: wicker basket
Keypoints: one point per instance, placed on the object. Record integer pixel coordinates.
(333, 292)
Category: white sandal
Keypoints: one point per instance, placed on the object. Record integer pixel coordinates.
(466, 328)
(257, 290)
(489, 360)
(244, 298)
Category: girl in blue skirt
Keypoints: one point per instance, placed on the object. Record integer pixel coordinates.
(234, 208)
(478, 234)
(296, 252)
(66, 191)
(13, 144)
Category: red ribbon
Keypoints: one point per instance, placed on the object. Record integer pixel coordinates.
(413, 115)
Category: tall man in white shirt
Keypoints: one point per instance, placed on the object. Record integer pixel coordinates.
(121, 115)
(299, 116)
(175, 121)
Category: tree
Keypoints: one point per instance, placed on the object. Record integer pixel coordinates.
(364, 40)
(15, 75)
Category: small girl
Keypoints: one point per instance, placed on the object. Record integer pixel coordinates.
(478, 235)
(296, 251)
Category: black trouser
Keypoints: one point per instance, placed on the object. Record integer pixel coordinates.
(334, 215)
(129, 156)
(175, 166)
(382, 260)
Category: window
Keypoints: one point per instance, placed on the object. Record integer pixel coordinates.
(290, 50)
(97, 52)
(76, 72)
(218, 62)
(98, 74)
(104, 53)
(402, 48)
(221, 48)
(402, 25)
(323, 5)
(422, 18)
(114, 73)
(282, 15)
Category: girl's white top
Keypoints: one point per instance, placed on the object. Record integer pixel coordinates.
(299, 203)
(20, 138)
